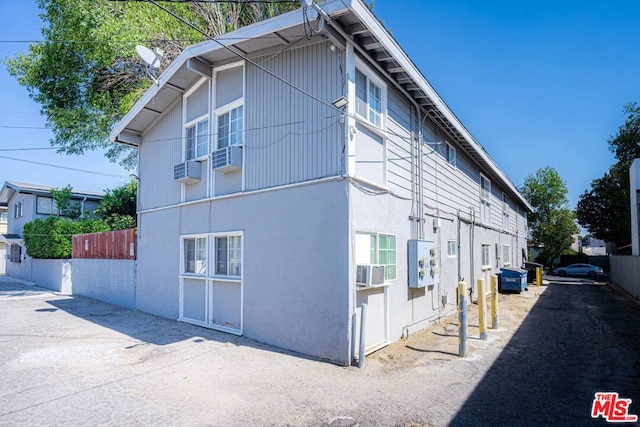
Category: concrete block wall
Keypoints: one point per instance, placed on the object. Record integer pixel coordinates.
(625, 271)
(108, 280)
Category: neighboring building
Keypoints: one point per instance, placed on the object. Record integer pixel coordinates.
(26, 202)
(634, 191)
(3, 243)
(267, 212)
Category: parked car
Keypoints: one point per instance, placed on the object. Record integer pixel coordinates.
(579, 270)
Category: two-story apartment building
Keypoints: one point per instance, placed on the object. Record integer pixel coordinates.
(26, 202)
(286, 180)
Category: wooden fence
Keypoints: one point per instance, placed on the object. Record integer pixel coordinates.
(119, 244)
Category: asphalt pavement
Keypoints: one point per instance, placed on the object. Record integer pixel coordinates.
(74, 361)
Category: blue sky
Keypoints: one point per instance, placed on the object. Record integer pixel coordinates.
(537, 83)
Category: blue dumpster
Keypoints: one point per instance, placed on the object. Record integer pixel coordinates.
(513, 279)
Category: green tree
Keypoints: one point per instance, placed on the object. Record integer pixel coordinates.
(552, 223)
(604, 209)
(51, 238)
(64, 204)
(118, 207)
(86, 75)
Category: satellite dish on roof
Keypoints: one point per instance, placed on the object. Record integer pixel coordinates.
(150, 57)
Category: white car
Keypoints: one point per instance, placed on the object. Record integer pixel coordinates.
(579, 270)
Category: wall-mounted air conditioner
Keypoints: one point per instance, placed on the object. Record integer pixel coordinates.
(227, 159)
(369, 274)
(187, 172)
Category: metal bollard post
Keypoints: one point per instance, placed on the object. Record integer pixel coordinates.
(494, 301)
(538, 276)
(462, 319)
(482, 304)
(363, 321)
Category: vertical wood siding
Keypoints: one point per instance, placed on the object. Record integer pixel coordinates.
(289, 136)
(119, 244)
(160, 150)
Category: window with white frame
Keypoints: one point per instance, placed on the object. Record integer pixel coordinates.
(486, 255)
(197, 138)
(450, 153)
(195, 255)
(370, 97)
(230, 126)
(228, 255)
(452, 249)
(3, 217)
(18, 209)
(505, 211)
(485, 199)
(46, 205)
(506, 255)
(378, 248)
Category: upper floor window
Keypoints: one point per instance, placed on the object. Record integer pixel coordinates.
(197, 138)
(230, 126)
(505, 211)
(370, 98)
(17, 209)
(450, 153)
(3, 217)
(46, 206)
(485, 200)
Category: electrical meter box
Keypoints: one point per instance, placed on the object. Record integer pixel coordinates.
(423, 263)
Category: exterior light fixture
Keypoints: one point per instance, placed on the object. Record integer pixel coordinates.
(340, 102)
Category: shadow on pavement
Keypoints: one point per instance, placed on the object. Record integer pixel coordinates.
(138, 325)
(581, 337)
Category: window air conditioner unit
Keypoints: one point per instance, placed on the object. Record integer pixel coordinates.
(227, 159)
(187, 172)
(369, 274)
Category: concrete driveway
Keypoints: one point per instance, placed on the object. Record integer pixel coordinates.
(75, 361)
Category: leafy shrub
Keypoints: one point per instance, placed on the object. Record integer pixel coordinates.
(51, 238)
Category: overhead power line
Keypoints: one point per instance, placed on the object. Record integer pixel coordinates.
(63, 167)
(238, 54)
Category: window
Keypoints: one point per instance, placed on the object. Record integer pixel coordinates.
(197, 138)
(46, 205)
(16, 253)
(230, 127)
(452, 249)
(373, 248)
(486, 255)
(195, 255)
(228, 254)
(17, 210)
(3, 217)
(506, 255)
(505, 211)
(485, 200)
(369, 99)
(451, 154)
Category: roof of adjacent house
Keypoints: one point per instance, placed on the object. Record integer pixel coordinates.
(349, 19)
(11, 187)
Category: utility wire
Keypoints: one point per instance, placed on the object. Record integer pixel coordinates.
(23, 127)
(250, 61)
(64, 167)
(28, 149)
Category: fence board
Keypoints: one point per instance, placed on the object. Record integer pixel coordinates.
(119, 244)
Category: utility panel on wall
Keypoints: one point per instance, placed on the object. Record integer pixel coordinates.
(423, 263)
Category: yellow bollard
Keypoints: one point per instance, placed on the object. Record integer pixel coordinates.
(538, 276)
(462, 319)
(494, 301)
(482, 303)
